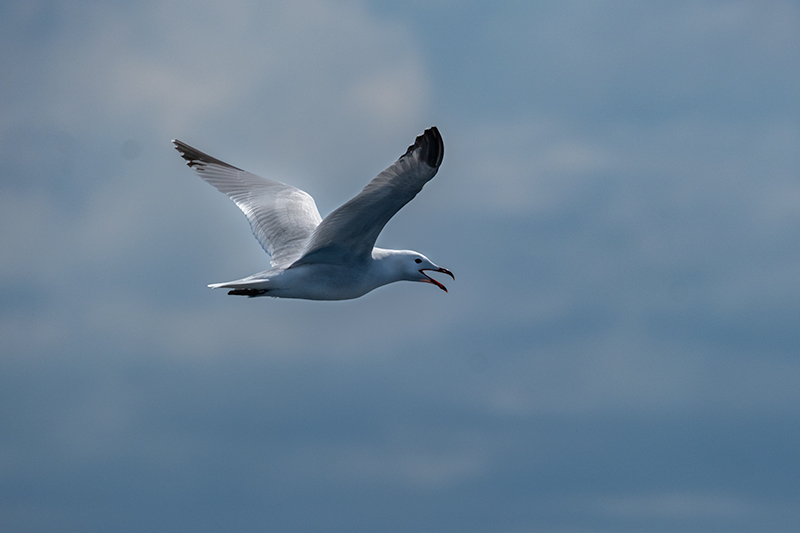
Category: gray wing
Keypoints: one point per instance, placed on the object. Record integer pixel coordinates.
(349, 233)
(282, 217)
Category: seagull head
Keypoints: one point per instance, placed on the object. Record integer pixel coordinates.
(415, 265)
(405, 265)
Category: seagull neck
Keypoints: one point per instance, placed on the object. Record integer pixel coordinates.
(384, 268)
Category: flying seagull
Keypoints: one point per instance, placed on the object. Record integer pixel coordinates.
(333, 258)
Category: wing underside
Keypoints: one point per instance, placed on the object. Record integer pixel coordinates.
(282, 217)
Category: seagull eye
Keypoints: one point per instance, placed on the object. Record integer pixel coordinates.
(418, 260)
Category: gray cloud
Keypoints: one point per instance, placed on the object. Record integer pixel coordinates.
(619, 203)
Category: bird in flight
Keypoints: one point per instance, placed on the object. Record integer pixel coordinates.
(334, 258)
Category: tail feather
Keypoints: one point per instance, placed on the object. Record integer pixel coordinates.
(255, 285)
(250, 293)
(241, 284)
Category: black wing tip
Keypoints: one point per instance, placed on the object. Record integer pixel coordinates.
(195, 157)
(431, 145)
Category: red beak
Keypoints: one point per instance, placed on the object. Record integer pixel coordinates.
(429, 279)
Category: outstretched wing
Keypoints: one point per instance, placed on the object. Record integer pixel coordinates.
(349, 233)
(282, 217)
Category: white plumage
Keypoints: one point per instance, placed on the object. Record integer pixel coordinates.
(333, 258)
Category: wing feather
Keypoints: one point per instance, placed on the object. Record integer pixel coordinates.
(282, 217)
(349, 233)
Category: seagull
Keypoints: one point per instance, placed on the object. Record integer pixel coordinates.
(334, 258)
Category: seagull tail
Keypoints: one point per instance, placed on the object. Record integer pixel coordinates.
(244, 287)
(241, 284)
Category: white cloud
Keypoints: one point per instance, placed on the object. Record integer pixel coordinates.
(524, 167)
(180, 65)
(678, 505)
(301, 78)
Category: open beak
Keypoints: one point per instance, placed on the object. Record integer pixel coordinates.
(429, 279)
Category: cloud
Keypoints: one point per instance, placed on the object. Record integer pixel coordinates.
(618, 203)
(300, 77)
(679, 506)
(259, 68)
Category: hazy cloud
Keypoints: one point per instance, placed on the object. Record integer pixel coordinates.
(619, 203)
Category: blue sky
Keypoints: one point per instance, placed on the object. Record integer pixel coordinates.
(619, 202)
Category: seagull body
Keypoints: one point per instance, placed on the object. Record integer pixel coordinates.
(333, 258)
